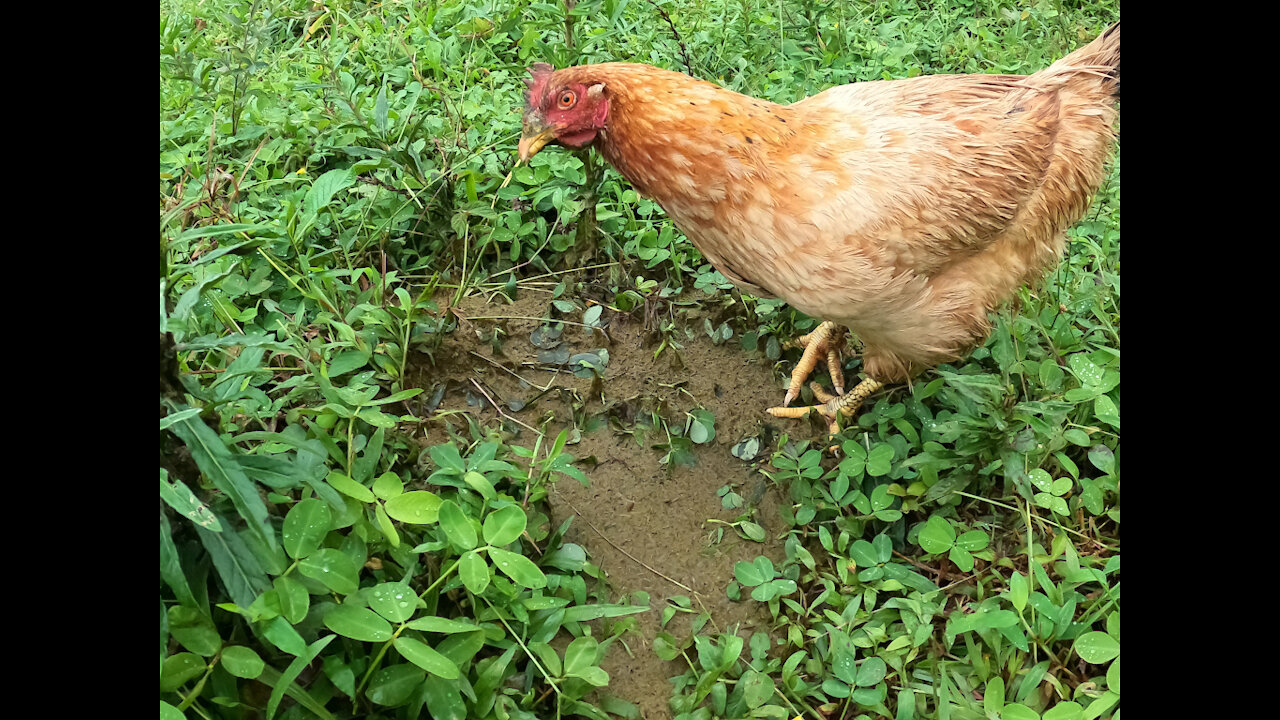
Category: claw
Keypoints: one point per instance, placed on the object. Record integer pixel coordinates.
(821, 341)
(832, 406)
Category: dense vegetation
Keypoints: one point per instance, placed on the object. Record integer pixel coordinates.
(333, 176)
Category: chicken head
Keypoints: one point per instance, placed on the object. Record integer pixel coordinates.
(570, 114)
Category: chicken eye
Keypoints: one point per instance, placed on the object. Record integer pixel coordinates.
(567, 99)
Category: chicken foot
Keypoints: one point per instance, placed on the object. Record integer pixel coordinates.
(824, 340)
(832, 406)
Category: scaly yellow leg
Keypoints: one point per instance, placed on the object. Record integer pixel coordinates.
(824, 340)
(832, 405)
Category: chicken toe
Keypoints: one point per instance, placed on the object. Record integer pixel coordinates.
(832, 406)
(826, 340)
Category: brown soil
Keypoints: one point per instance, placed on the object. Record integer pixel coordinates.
(639, 519)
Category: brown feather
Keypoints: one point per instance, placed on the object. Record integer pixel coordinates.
(904, 209)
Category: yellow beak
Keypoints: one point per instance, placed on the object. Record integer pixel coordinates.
(534, 138)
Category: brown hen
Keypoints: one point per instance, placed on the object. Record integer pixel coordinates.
(905, 210)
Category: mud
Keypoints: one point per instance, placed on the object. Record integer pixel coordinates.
(640, 519)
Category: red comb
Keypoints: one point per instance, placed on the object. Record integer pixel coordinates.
(541, 73)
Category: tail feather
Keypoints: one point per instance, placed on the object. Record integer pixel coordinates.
(1100, 58)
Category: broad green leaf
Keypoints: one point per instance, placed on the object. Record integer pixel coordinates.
(349, 487)
(388, 485)
(444, 701)
(1096, 647)
(871, 672)
(293, 598)
(863, 553)
(868, 696)
(1101, 705)
(883, 547)
(1018, 711)
(242, 662)
(1018, 590)
(418, 507)
(1088, 373)
(357, 623)
(504, 525)
(880, 460)
(194, 631)
(377, 418)
(844, 659)
(447, 458)
(1041, 479)
(305, 526)
(1103, 458)
(169, 712)
(392, 600)
(1068, 710)
(962, 558)
(937, 535)
(324, 188)
(1113, 676)
(665, 647)
(973, 541)
(1076, 436)
(480, 484)
(593, 675)
(284, 636)
(751, 531)
(461, 648)
(548, 657)
(581, 653)
(474, 572)
(834, 688)
(346, 361)
(519, 568)
(179, 669)
(757, 688)
(702, 426)
(333, 568)
(747, 574)
(386, 526)
(993, 697)
(1104, 408)
(569, 557)
(421, 654)
(456, 525)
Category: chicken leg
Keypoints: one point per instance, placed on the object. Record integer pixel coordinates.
(832, 406)
(826, 340)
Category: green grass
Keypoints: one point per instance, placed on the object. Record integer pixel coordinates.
(331, 174)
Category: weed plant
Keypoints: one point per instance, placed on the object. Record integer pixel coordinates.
(334, 175)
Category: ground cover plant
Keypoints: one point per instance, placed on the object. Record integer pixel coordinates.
(355, 524)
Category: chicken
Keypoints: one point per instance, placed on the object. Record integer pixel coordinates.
(905, 210)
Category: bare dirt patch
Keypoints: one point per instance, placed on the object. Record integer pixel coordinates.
(640, 519)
